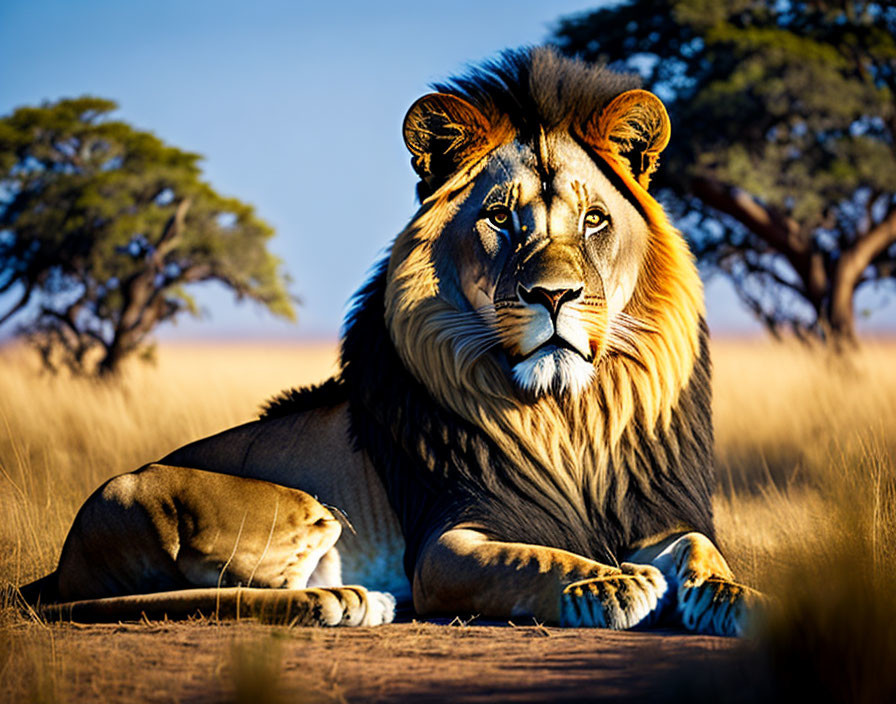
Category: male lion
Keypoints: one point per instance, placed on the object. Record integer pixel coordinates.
(522, 411)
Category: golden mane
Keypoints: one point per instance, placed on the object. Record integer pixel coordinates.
(632, 392)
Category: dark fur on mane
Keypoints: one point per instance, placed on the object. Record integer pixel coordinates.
(330, 393)
(537, 88)
(440, 471)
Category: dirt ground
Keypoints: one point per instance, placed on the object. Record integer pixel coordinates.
(405, 662)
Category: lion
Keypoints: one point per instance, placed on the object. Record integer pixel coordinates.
(521, 424)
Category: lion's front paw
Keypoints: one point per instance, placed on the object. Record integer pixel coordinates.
(719, 607)
(618, 601)
(380, 609)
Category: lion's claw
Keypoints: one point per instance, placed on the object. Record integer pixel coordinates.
(618, 601)
(718, 607)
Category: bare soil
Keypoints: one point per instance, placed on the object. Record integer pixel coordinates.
(406, 662)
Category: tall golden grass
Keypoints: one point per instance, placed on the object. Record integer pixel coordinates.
(806, 478)
(806, 511)
(801, 437)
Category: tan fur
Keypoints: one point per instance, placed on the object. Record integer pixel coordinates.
(634, 116)
(184, 527)
(234, 542)
(467, 572)
(708, 599)
(335, 606)
(465, 134)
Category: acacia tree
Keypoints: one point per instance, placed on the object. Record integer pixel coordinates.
(782, 167)
(101, 228)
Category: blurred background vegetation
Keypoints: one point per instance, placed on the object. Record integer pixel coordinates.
(101, 228)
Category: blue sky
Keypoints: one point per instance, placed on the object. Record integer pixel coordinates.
(297, 108)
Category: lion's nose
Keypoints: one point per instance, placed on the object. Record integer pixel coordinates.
(550, 298)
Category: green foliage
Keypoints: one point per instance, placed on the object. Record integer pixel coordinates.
(792, 102)
(102, 226)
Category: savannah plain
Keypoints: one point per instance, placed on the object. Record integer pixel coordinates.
(805, 510)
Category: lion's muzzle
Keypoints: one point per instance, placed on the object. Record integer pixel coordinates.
(551, 317)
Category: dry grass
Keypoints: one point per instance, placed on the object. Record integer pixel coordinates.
(806, 511)
(806, 506)
(800, 437)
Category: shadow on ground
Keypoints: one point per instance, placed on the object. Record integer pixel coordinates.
(407, 662)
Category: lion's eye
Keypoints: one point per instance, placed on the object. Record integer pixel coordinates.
(499, 217)
(595, 221)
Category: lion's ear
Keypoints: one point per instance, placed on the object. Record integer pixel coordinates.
(442, 131)
(634, 128)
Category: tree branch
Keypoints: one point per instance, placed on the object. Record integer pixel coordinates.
(780, 231)
(754, 267)
(876, 241)
(172, 231)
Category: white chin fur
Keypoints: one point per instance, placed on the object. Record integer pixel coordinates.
(553, 368)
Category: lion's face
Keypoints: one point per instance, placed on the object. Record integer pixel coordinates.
(528, 251)
(546, 252)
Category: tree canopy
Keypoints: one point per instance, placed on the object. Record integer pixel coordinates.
(782, 165)
(101, 228)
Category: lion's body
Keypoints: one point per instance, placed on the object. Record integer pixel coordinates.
(308, 450)
(229, 518)
(524, 399)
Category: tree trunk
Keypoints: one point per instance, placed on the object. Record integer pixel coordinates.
(110, 365)
(846, 277)
(141, 310)
(841, 322)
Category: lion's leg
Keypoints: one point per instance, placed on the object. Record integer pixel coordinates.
(183, 538)
(331, 606)
(165, 528)
(708, 600)
(463, 571)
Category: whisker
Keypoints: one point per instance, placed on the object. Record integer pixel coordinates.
(508, 303)
(624, 335)
(472, 332)
(632, 323)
